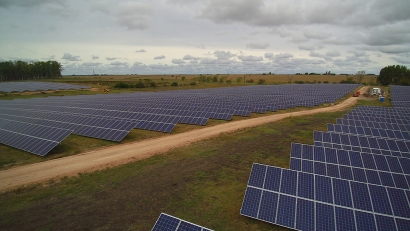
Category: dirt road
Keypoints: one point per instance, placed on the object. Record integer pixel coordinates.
(121, 154)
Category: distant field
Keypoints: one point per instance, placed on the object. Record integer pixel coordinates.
(164, 82)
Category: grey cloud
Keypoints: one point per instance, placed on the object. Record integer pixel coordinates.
(310, 34)
(283, 56)
(134, 15)
(119, 64)
(50, 58)
(395, 49)
(402, 59)
(102, 6)
(110, 58)
(201, 46)
(189, 57)
(333, 53)
(70, 57)
(328, 56)
(357, 53)
(141, 50)
(306, 47)
(257, 45)
(396, 34)
(160, 57)
(250, 58)
(223, 55)
(269, 55)
(29, 3)
(178, 61)
(95, 57)
(91, 64)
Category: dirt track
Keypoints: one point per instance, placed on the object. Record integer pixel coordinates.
(121, 154)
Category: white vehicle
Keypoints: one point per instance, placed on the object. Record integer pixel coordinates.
(376, 91)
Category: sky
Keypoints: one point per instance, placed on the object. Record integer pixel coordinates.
(207, 36)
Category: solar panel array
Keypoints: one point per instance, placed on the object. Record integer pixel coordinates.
(33, 138)
(37, 86)
(167, 222)
(113, 116)
(400, 96)
(356, 176)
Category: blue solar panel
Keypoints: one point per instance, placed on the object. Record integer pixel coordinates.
(337, 204)
(166, 222)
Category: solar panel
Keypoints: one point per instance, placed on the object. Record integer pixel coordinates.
(373, 132)
(32, 138)
(337, 204)
(167, 222)
(363, 144)
(367, 168)
(36, 86)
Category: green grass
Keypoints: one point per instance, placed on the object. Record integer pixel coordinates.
(203, 183)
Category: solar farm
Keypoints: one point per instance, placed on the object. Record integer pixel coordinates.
(113, 116)
(356, 176)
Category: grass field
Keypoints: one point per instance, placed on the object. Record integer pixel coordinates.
(203, 183)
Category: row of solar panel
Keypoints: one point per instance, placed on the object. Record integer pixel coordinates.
(25, 139)
(380, 109)
(107, 133)
(351, 158)
(377, 119)
(312, 202)
(389, 115)
(389, 179)
(372, 132)
(370, 124)
(167, 222)
(36, 86)
(362, 144)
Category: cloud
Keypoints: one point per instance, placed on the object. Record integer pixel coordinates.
(257, 45)
(119, 64)
(134, 15)
(28, 4)
(160, 57)
(395, 49)
(110, 58)
(141, 50)
(95, 57)
(189, 57)
(71, 57)
(402, 59)
(269, 55)
(178, 61)
(306, 47)
(283, 56)
(327, 56)
(91, 64)
(250, 58)
(223, 55)
(101, 6)
(310, 34)
(50, 58)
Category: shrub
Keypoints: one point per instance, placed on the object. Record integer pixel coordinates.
(193, 83)
(299, 82)
(140, 84)
(250, 81)
(325, 81)
(121, 85)
(174, 84)
(261, 81)
(153, 84)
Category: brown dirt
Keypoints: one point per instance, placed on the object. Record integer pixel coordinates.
(121, 154)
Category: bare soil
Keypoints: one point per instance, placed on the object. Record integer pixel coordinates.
(121, 154)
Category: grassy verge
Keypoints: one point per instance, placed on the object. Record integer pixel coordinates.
(203, 183)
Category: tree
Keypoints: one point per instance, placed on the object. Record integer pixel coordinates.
(394, 74)
(360, 75)
(20, 70)
(238, 80)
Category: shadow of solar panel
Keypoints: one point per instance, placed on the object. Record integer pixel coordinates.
(167, 222)
(337, 204)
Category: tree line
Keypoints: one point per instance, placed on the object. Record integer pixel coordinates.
(394, 74)
(20, 70)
